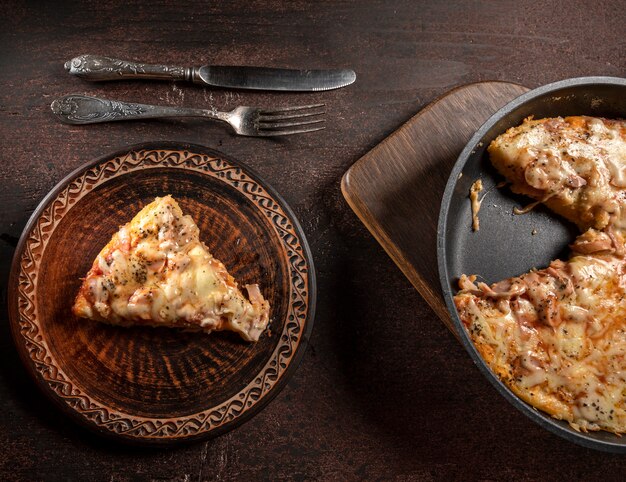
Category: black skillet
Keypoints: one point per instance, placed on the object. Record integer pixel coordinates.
(506, 244)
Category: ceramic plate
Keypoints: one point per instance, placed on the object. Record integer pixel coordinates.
(156, 385)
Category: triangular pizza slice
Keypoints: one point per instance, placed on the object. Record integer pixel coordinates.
(155, 271)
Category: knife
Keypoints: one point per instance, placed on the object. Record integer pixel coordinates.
(95, 67)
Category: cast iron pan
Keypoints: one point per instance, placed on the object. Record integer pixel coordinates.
(506, 244)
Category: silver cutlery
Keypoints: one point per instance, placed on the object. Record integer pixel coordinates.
(245, 121)
(94, 67)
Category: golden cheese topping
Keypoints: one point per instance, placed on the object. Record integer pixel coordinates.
(557, 337)
(575, 165)
(475, 190)
(155, 271)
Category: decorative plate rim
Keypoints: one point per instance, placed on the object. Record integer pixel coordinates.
(211, 421)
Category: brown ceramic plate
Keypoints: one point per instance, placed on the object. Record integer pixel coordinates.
(156, 385)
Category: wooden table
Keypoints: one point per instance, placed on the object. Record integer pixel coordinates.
(384, 390)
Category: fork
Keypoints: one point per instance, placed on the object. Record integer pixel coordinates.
(245, 121)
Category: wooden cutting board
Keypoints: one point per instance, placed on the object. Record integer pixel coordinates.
(396, 188)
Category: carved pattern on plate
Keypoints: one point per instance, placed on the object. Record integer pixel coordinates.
(157, 428)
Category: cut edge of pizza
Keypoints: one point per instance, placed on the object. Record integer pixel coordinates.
(156, 272)
(575, 165)
(557, 336)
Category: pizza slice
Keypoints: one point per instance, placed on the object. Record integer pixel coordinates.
(155, 271)
(575, 165)
(557, 336)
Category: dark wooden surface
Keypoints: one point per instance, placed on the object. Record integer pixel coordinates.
(397, 187)
(384, 390)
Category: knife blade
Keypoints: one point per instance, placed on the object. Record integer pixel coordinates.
(97, 68)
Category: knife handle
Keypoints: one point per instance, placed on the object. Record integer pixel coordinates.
(95, 67)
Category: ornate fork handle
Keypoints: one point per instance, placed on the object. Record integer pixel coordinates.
(95, 67)
(83, 109)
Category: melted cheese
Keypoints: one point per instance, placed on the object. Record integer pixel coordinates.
(156, 271)
(573, 365)
(475, 190)
(575, 165)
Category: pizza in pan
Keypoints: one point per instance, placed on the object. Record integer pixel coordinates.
(155, 271)
(557, 336)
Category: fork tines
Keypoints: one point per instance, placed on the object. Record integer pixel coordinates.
(291, 120)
